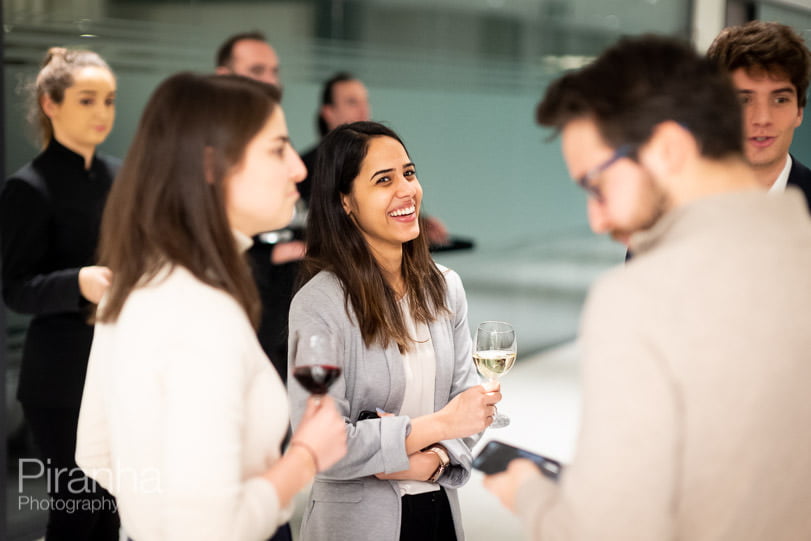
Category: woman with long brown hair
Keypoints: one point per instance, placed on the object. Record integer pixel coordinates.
(49, 223)
(398, 325)
(183, 415)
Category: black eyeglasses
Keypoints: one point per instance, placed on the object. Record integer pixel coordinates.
(587, 181)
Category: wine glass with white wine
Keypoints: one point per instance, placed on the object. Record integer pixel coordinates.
(494, 353)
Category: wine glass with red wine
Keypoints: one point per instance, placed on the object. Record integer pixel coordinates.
(316, 365)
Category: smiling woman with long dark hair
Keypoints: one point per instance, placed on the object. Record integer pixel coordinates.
(398, 323)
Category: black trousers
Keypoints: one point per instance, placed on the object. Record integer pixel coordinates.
(283, 533)
(79, 508)
(427, 517)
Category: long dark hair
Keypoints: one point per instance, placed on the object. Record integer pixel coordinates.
(167, 205)
(335, 244)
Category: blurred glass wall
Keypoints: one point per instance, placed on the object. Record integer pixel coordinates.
(458, 79)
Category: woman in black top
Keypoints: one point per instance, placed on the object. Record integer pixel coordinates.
(49, 223)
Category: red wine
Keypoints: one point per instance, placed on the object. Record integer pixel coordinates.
(316, 378)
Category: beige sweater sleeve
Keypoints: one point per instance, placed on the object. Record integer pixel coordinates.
(621, 483)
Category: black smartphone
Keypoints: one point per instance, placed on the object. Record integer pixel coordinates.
(496, 455)
(368, 414)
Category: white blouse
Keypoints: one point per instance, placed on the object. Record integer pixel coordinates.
(419, 365)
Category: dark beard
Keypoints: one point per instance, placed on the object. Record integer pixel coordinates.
(660, 206)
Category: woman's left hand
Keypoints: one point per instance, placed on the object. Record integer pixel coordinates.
(421, 467)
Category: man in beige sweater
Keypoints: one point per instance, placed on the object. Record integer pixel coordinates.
(697, 353)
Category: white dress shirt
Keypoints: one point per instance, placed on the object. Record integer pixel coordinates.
(780, 184)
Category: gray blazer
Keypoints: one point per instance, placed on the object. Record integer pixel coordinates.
(347, 502)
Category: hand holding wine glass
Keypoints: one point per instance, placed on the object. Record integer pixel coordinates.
(316, 366)
(322, 432)
(494, 352)
(469, 412)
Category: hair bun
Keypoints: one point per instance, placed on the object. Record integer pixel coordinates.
(54, 52)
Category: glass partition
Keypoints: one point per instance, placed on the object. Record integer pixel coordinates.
(458, 79)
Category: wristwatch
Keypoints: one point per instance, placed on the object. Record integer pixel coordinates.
(444, 460)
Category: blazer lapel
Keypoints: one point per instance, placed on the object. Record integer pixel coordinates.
(443, 351)
(394, 362)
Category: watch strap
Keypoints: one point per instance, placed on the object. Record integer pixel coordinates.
(444, 460)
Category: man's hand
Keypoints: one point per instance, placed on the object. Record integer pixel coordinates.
(505, 484)
(285, 252)
(436, 231)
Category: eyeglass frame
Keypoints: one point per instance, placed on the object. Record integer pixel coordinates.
(586, 182)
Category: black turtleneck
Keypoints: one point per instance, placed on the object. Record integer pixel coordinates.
(50, 212)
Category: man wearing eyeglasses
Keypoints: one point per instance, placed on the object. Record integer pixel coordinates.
(695, 355)
(770, 65)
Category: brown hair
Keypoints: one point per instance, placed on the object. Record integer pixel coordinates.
(335, 244)
(772, 47)
(167, 205)
(328, 97)
(225, 53)
(641, 82)
(55, 76)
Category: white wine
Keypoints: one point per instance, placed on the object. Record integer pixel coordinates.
(494, 363)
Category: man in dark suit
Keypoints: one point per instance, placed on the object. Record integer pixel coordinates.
(276, 255)
(770, 65)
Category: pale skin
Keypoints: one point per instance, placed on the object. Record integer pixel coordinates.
(350, 103)
(670, 173)
(385, 186)
(255, 59)
(94, 281)
(505, 485)
(771, 113)
(80, 122)
(260, 193)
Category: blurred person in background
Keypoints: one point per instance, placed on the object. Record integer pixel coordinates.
(249, 54)
(50, 212)
(274, 255)
(770, 66)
